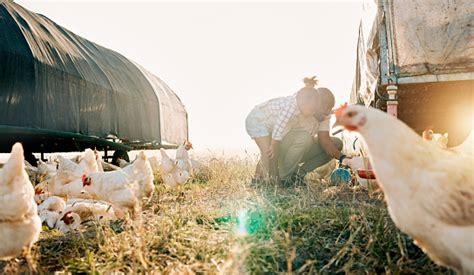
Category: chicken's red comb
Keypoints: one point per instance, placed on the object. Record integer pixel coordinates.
(188, 145)
(339, 110)
(86, 180)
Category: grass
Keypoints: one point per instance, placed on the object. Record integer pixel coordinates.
(218, 223)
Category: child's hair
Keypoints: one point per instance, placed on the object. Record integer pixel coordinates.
(309, 83)
(320, 94)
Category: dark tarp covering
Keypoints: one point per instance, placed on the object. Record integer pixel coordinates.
(52, 79)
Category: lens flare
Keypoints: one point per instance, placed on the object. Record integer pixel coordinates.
(241, 225)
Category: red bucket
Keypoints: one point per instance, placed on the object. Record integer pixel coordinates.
(366, 173)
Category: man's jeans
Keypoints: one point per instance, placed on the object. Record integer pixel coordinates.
(300, 153)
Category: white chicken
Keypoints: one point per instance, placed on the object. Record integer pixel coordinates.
(93, 210)
(41, 194)
(68, 180)
(175, 173)
(182, 161)
(154, 163)
(49, 211)
(115, 187)
(98, 159)
(140, 171)
(440, 140)
(52, 203)
(31, 171)
(181, 177)
(68, 222)
(108, 166)
(169, 180)
(429, 191)
(72, 189)
(19, 222)
(88, 164)
(69, 170)
(167, 164)
(45, 170)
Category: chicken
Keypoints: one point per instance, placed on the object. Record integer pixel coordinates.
(49, 211)
(45, 171)
(169, 180)
(115, 187)
(69, 222)
(155, 165)
(88, 164)
(72, 189)
(140, 171)
(109, 167)
(92, 209)
(41, 194)
(188, 145)
(181, 177)
(182, 161)
(429, 191)
(98, 159)
(167, 164)
(68, 180)
(69, 170)
(440, 140)
(20, 225)
(77, 159)
(50, 218)
(31, 171)
(52, 203)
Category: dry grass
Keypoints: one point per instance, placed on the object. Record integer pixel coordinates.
(221, 224)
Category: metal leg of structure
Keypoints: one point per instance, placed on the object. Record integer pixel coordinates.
(392, 102)
(106, 157)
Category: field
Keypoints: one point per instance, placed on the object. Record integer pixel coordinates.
(220, 223)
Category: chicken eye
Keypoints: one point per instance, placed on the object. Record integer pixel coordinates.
(351, 114)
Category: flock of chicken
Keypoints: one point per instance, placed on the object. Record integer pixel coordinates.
(70, 192)
(429, 190)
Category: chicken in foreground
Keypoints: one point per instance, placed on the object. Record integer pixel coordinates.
(20, 225)
(429, 191)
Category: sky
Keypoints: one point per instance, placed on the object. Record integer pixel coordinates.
(223, 58)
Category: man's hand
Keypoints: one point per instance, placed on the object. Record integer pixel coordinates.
(347, 161)
(327, 144)
(273, 151)
(270, 153)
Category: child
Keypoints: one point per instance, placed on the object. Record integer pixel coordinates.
(267, 123)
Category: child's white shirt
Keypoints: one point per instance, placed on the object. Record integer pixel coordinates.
(284, 109)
